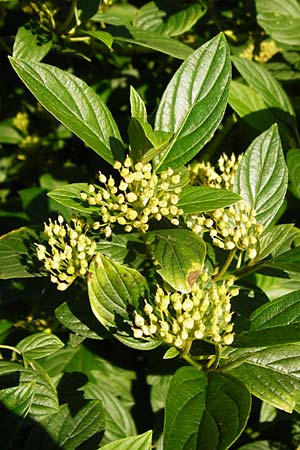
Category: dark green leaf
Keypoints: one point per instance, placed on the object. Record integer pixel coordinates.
(103, 36)
(31, 45)
(250, 106)
(180, 254)
(112, 288)
(182, 21)
(74, 104)
(39, 345)
(271, 240)
(283, 311)
(138, 140)
(69, 431)
(267, 87)
(271, 374)
(204, 411)
(69, 196)
(268, 336)
(78, 318)
(196, 199)
(261, 178)
(17, 252)
(150, 39)
(289, 261)
(18, 399)
(280, 19)
(118, 421)
(194, 102)
(140, 442)
(293, 163)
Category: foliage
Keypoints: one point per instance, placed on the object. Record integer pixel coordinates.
(150, 242)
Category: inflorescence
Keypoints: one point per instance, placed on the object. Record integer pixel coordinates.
(177, 319)
(139, 196)
(68, 252)
(230, 228)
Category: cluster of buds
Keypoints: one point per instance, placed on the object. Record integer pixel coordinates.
(140, 196)
(177, 319)
(230, 228)
(204, 173)
(68, 252)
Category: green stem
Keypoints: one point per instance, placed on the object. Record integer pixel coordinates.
(192, 362)
(69, 18)
(226, 265)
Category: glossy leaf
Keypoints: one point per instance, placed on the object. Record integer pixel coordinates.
(196, 199)
(15, 258)
(271, 240)
(140, 442)
(151, 40)
(289, 261)
(280, 19)
(78, 318)
(180, 255)
(118, 421)
(30, 44)
(275, 371)
(268, 336)
(138, 108)
(293, 163)
(112, 288)
(194, 102)
(250, 106)
(268, 88)
(69, 431)
(183, 20)
(261, 178)
(204, 411)
(103, 36)
(69, 196)
(74, 104)
(39, 345)
(159, 387)
(18, 399)
(283, 311)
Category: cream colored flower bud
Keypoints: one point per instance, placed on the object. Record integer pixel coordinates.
(137, 333)
(131, 197)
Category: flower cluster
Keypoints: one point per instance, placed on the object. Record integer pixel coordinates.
(178, 319)
(229, 228)
(139, 196)
(204, 173)
(68, 252)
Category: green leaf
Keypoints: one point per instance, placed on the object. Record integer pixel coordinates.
(293, 164)
(39, 345)
(172, 352)
(150, 39)
(280, 19)
(150, 17)
(78, 318)
(69, 431)
(271, 374)
(261, 178)
(112, 288)
(204, 411)
(268, 336)
(271, 240)
(103, 36)
(116, 248)
(18, 399)
(283, 311)
(69, 196)
(118, 421)
(182, 21)
(137, 105)
(196, 199)
(194, 102)
(138, 140)
(17, 252)
(9, 134)
(159, 388)
(140, 442)
(31, 44)
(74, 104)
(180, 254)
(267, 87)
(250, 106)
(116, 14)
(289, 261)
